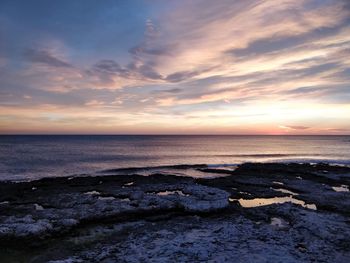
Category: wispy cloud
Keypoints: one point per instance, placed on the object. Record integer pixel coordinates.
(45, 57)
(294, 127)
(241, 63)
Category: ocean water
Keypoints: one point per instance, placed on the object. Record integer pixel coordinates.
(33, 157)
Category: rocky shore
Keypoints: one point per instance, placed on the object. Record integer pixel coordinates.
(254, 213)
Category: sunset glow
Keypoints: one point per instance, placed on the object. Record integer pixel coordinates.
(175, 67)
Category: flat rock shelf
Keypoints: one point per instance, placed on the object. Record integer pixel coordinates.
(258, 212)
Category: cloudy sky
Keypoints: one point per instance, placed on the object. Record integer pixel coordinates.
(175, 67)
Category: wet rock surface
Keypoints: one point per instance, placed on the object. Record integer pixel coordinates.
(165, 218)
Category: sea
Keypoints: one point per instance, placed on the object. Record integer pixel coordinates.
(31, 157)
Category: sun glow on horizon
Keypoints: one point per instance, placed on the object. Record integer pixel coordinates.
(190, 67)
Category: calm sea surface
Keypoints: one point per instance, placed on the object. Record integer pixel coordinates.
(32, 157)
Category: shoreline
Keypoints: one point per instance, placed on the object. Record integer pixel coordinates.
(162, 169)
(298, 210)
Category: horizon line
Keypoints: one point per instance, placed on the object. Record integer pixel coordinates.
(159, 134)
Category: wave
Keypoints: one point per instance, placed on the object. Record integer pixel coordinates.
(176, 166)
(186, 170)
(199, 167)
(267, 155)
(314, 161)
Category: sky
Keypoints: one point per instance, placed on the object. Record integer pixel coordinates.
(175, 67)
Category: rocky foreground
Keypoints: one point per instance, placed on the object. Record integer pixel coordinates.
(255, 213)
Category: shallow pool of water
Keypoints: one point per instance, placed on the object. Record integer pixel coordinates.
(248, 203)
(342, 188)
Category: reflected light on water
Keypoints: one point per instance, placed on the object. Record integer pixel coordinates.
(342, 188)
(256, 202)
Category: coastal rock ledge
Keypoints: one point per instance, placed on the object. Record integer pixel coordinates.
(45, 214)
(254, 213)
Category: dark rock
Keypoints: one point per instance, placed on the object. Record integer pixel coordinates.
(159, 218)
